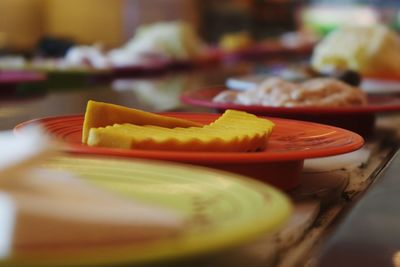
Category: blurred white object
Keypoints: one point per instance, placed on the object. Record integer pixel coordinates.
(325, 16)
(7, 220)
(378, 86)
(12, 62)
(23, 150)
(247, 82)
(87, 55)
(121, 58)
(159, 94)
(17, 154)
(349, 160)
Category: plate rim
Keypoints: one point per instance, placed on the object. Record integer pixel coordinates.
(189, 97)
(26, 77)
(207, 157)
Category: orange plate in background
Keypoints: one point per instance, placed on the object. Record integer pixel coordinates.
(280, 164)
(360, 119)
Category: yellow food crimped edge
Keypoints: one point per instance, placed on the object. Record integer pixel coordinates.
(234, 131)
(99, 114)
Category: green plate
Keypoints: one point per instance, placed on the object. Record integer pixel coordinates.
(225, 210)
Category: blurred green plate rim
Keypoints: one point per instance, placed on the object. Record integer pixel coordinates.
(235, 210)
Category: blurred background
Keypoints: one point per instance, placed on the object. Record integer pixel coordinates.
(56, 55)
(27, 25)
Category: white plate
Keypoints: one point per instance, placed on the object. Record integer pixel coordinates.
(370, 86)
(375, 86)
(243, 83)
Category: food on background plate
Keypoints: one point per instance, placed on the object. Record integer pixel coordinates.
(86, 56)
(96, 57)
(299, 73)
(99, 114)
(52, 65)
(108, 125)
(291, 73)
(298, 39)
(176, 40)
(275, 92)
(161, 42)
(235, 41)
(371, 50)
(157, 44)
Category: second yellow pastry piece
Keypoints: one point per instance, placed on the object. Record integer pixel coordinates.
(234, 131)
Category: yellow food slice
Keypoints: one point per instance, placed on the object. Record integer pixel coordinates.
(99, 114)
(235, 41)
(234, 131)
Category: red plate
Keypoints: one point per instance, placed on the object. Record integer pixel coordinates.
(12, 83)
(8, 78)
(359, 119)
(280, 164)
